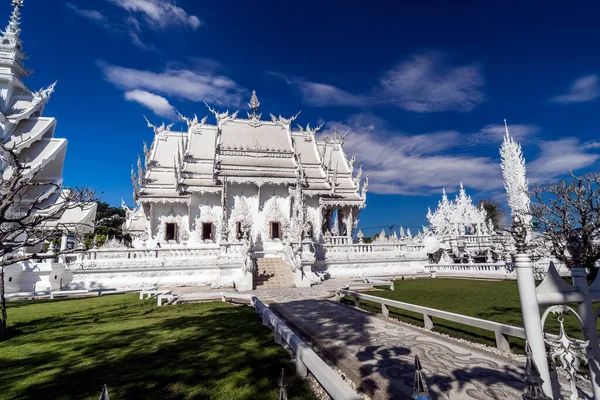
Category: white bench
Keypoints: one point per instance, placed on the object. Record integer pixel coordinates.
(150, 293)
(165, 296)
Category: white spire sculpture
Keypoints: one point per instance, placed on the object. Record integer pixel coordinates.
(515, 178)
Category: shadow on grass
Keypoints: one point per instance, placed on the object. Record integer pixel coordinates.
(200, 351)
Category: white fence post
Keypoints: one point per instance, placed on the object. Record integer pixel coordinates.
(529, 305)
(588, 317)
(428, 321)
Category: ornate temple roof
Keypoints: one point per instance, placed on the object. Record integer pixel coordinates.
(245, 150)
(453, 217)
(23, 129)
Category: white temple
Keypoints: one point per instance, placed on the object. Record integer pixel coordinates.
(459, 217)
(243, 203)
(215, 183)
(24, 129)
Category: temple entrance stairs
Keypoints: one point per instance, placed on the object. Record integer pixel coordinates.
(273, 272)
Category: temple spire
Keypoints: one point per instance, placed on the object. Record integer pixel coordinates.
(14, 27)
(254, 103)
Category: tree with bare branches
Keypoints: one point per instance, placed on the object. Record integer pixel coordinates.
(30, 214)
(567, 216)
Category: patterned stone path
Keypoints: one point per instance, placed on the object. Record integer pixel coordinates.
(378, 355)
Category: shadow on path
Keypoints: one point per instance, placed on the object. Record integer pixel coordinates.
(378, 355)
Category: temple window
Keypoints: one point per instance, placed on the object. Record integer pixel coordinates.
(170, 231)
(10, 278)
(275, 230)
(207, 231)
(239, 234)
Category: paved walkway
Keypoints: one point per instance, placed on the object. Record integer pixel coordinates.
(378, 354)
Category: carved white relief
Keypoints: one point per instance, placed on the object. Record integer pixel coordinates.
(272, 212)
(240, 213)
(180, 222)
(566, 353)
(208, 215)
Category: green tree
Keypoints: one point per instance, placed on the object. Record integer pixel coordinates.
(494, 211)
(109, 224)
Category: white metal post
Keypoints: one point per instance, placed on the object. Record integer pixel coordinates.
(586, 313)
(531, 313)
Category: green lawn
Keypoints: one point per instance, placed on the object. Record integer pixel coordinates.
(492, 300)
(67, 349)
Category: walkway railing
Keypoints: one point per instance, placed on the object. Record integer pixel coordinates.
(501, 331)
(306, 358)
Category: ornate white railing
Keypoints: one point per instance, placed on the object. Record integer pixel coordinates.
(498, 270)
(501, 331)
(132, 254)
(391, 247)
(336, 240)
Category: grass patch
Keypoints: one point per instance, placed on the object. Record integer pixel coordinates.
(491, 300)
(67, 349)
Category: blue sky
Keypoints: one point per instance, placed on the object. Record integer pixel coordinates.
(421, 87)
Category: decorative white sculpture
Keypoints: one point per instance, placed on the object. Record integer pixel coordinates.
(515, 178)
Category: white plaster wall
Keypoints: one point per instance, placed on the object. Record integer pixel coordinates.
(371, 268)
(213, 277)
(27, 276)
(12, 278)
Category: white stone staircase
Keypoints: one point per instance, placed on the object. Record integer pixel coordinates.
(273, 272)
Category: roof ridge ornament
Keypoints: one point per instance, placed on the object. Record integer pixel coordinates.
(285, 122)
(15, 18)
(159, 129)
(192, 122)
(221, 117)
(253, 117)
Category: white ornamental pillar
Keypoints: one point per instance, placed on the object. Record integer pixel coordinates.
(586, 312)
(529, 305)
(63, 242)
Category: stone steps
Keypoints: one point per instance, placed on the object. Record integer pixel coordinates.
(273, 273)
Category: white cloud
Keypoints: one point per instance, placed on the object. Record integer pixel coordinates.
(586, 88)
(93, 15)
(158, 104)
(494, 133)
(557, 157)
(160, 13)
(426, 84)
(179, 82)
(321, 94)
(399, 163)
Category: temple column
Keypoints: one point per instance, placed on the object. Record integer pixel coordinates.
(63, 242)
(341, 221)
(349, 222)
